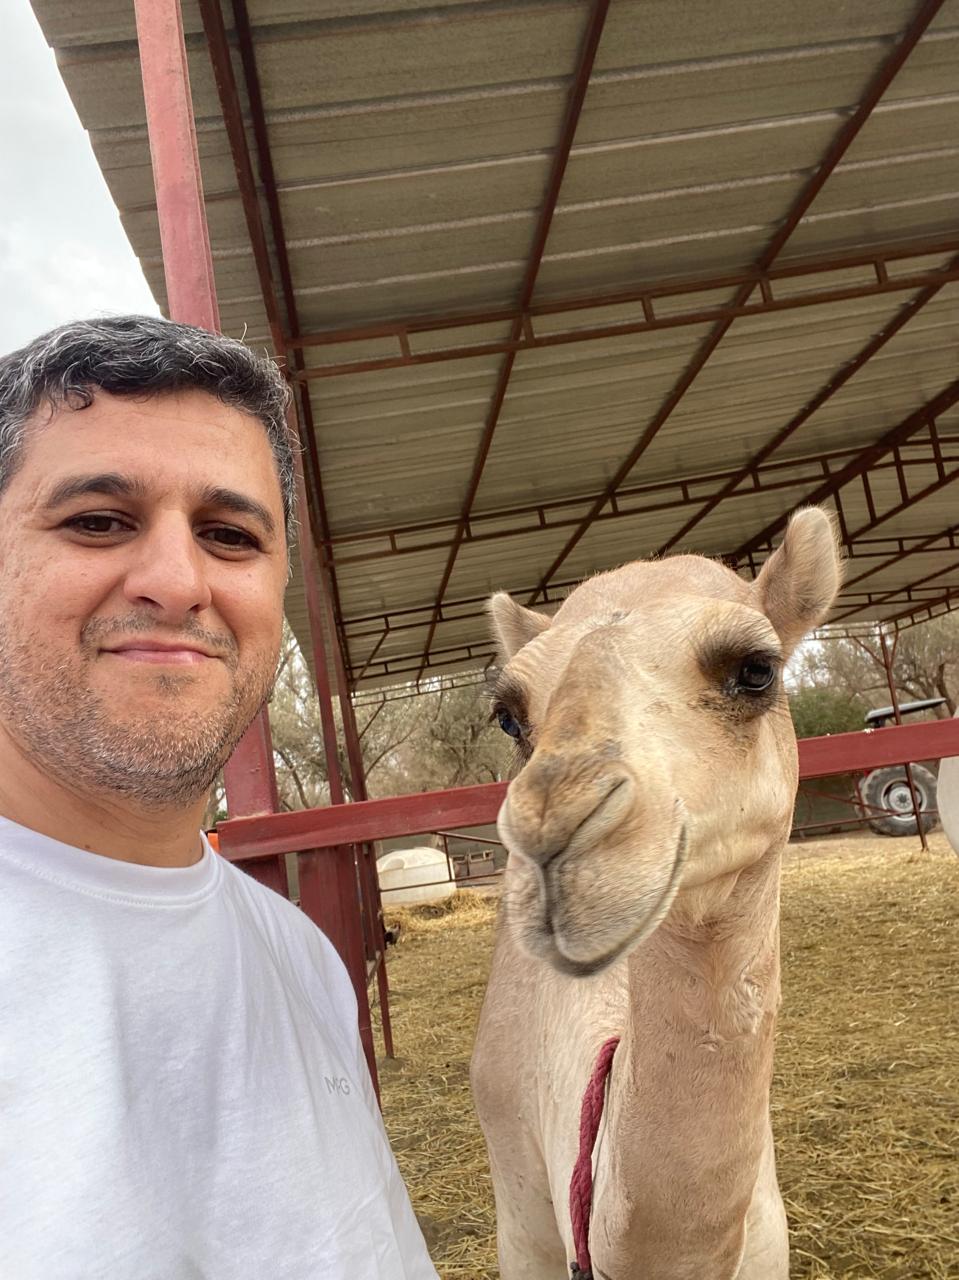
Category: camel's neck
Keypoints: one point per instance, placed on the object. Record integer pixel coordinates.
(689, 1102)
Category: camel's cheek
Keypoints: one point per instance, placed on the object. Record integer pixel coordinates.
(738, 793)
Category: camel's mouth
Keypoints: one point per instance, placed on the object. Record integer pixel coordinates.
(548, 941)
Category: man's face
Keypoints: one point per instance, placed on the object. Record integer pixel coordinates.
(142, 570)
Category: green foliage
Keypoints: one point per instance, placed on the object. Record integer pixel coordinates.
(820, 709)
(926, 665)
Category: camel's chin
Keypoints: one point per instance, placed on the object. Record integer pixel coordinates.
(543, 945)
(581, 932)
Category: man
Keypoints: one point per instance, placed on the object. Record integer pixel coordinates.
(167, 1025)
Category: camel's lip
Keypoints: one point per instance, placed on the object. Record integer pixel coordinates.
(575, 844)
(585, 968)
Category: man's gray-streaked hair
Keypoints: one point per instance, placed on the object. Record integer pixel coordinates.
(141, 356)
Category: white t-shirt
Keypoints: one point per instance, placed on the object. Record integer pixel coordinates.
(183, 1095)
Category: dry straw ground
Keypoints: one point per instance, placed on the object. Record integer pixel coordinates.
(867, 1069)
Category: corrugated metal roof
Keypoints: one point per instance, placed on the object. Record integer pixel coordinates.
(412, 146)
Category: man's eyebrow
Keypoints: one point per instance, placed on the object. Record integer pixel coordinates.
(240, 504)
(109, 482)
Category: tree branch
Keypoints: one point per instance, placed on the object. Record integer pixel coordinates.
(284, 756)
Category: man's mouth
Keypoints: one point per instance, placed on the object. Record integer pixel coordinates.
(161, 654)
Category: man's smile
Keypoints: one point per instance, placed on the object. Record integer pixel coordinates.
(150, 651)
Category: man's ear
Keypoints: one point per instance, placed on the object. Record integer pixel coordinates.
(513, 625)
(800, 580)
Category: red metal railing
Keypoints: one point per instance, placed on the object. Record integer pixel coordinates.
(273, 835)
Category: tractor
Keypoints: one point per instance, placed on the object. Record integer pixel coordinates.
(884, 795)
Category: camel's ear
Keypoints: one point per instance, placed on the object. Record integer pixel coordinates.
(800, 580)
(513, 626)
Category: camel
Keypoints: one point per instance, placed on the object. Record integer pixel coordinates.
(645, 831)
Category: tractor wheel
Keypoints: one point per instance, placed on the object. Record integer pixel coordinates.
(889, 789)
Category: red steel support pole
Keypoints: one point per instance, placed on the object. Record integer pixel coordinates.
(191, 298)
(331, 891)
(185, 240)
(366, 853)
(371, 902)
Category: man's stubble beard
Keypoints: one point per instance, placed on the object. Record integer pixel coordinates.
(163, 761)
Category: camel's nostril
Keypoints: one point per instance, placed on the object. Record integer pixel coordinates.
(558, 808)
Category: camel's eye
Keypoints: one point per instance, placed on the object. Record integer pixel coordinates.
(507, 723)
(756, 674)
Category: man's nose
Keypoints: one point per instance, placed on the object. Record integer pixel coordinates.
(168, 570)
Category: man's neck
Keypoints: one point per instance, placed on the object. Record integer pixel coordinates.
(106, 824)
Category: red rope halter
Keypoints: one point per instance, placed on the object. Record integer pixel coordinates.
(581, 1183)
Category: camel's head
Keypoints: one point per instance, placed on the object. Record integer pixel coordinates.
(659, 755)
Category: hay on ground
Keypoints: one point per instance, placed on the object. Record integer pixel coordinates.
(867, 1067)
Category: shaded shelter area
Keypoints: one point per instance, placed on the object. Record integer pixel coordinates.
(563, 284)
(557, 285)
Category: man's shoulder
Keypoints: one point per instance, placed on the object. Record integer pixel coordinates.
(268, 903)
(285, 923)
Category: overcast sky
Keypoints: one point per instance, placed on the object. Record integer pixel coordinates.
(63, 253)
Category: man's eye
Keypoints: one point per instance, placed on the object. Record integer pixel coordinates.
(234, 539)
(97, 525)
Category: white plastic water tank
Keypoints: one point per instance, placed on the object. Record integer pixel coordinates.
(411, 876)
(947, 798)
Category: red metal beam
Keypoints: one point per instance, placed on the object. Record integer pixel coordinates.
(898, 435)
(875, 261)
(219, 50)
(937, 609)
(328, 887)
(191, 291)
(876, 748)
(904, 553)
(481, 656)
(250, 776)
(478, 806)
(870, 549)
(916, 592)
(328, 877)
(329, 890)
(366, 820)
(580, 83)
(220, 55)
(313, 471)
(524, 337)
(926, 606)
(404, 664)
(840, 144)
(222, 63)
(184, 237)
(848, 371)
(911, 499)
(944, 478)
(218, 44)
(898, 595)
(400, 541)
